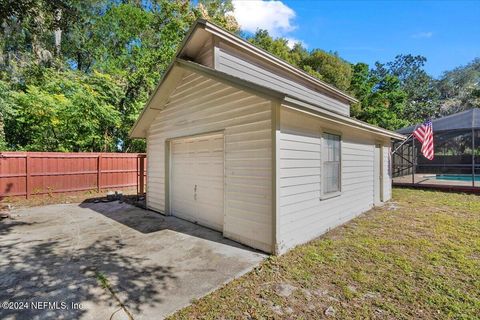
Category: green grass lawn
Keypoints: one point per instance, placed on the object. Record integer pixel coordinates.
(417, 257)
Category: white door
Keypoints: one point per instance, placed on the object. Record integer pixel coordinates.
(377, 175)
(196, 179)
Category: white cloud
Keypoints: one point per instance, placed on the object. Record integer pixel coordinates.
(273, 16)
(292, 41)
(423, 35)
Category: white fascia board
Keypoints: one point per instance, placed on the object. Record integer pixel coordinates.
(223, 34)
(304, 107)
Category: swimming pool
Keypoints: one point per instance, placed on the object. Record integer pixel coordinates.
(456, 177)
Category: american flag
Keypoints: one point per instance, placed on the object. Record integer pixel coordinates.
(424, 134)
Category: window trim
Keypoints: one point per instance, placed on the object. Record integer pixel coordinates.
(334, 194)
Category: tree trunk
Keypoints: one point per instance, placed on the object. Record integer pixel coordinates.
(58, 32)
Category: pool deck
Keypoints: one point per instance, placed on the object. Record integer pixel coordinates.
(426, 181)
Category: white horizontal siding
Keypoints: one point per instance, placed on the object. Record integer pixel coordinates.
(201, 105)
(302, 215)
(233, 64)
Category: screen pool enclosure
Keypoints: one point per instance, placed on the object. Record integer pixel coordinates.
(456, 162)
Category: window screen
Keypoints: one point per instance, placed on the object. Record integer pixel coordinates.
(331, 163)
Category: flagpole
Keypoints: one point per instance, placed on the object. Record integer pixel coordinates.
(406, 140)
(403, 142)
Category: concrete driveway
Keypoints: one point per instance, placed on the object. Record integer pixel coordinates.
(110, 261)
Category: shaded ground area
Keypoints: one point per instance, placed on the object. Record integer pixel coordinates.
(117, 260)
(129, 195)
(417, 257)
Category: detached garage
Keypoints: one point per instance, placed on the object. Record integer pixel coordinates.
(246, 144)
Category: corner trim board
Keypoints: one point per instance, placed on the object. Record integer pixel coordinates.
(276, 106)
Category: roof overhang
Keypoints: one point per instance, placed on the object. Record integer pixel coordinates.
(339, 119)
(178, 68)
(263, 54)
(201, 29)
(157, 100)
(172, 77)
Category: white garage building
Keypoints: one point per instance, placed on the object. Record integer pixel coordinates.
(244, 143)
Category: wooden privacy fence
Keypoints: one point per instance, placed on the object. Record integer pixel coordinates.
(32, 173)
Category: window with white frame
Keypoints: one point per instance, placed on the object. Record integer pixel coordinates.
(331, 164)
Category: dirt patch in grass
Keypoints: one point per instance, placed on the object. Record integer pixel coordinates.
(416, 257)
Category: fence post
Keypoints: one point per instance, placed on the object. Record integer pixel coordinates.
(99, 172)
(27, 177)
(142, 175)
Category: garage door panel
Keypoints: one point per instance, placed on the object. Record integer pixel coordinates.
(210, 198)
(197, 179)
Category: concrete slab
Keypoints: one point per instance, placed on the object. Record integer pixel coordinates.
(54, 258)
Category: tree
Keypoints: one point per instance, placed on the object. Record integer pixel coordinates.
(325, 66)
(279, 47)
(64, 111)
(460, 88)
(137, 43)
(129, 43)
(328, 67)
(382, 99)
(361, 87)
(74, 75)
(386, 104)
(422, 94)
(5, 111)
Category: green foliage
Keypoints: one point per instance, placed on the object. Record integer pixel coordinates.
(87, 95)
(422, 93)
(381, 98)
(74, 75)
(390, 95)
(395, 94)
(279, 47)
(325, 66)
(5, 111)
(386, 104)
(361, 87)
(460, 88)
(329, 68)
(65, 111)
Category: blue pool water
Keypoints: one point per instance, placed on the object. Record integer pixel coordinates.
(457, 177)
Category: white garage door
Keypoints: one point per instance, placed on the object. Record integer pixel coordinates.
(196, 180)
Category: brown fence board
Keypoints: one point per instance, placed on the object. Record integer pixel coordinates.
(32, 173)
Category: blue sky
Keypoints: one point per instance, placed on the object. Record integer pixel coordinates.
(446, 32)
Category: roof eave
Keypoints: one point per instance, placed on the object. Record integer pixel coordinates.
(332, 116)
(265, 92)
(214, 29)
(131, 133)
(208, 72)
(229, 79)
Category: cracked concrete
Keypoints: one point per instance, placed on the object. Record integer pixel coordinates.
(155, 264)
